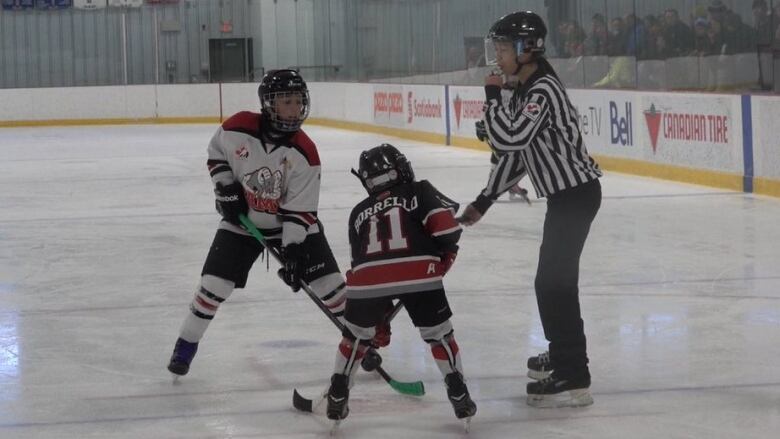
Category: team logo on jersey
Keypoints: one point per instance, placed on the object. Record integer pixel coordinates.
(265, 189)
(532, 111)
(242, 152)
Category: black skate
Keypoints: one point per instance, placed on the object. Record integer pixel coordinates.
(458, 394)
(338, 397)
(183, 354)
(539, 367)
(559, 392)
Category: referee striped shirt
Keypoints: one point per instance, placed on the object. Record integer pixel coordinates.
(537, 133)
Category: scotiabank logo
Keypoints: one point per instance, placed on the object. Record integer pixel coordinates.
(467, 109)
(423, 108)
(388, 103)
(688, 127)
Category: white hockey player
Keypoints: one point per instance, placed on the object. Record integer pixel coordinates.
(264, 166)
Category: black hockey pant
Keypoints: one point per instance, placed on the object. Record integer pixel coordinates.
(566, 226)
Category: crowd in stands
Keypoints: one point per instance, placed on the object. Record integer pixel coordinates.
(709, 30)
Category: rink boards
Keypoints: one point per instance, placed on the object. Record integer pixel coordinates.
(721, 140)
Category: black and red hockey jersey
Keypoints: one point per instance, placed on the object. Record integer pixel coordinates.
(397, 238)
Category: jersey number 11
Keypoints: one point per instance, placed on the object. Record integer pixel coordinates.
(396, 240)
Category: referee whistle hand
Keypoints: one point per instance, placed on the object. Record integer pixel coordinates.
(470, 216)
(494, 80)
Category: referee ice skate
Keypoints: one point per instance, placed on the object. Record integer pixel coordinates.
(537, 132)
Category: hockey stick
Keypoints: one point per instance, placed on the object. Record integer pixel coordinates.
(414, 388)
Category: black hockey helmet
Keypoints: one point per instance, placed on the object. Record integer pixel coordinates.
(525, 29)
(279, 84)
(383, 167)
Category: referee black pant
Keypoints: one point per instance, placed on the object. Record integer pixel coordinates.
(566, 226)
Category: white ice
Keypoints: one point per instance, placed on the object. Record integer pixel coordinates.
(103, 231)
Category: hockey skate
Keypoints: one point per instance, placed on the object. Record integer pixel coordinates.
(338, 399)
(458, 394)
(539, 367)
(183, 354)
(554, 392)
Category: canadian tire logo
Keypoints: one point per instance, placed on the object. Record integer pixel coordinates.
(653, 119)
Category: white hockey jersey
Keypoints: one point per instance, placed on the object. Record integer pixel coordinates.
(281, 181)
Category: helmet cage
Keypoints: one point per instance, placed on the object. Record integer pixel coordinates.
(269, 103)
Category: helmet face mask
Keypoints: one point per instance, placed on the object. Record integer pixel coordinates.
(383, 167)
(284, 98)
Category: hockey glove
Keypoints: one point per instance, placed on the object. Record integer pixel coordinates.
(481, 130)
(447, 259)
(295, 260)
(470, 216)
(230, 201)
(383, 332)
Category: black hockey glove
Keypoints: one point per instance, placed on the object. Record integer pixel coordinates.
(230, 201)
(481, 130)
(295, 260)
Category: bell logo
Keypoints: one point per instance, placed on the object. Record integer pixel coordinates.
(653, 119)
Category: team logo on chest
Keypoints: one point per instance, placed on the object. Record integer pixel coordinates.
(265, 189)
(242, 152)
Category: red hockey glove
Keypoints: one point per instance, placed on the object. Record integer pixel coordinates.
(447, 259)
(383, 332)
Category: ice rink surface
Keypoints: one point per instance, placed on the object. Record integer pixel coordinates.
(103, 231)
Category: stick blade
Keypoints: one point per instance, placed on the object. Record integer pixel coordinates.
(302, 404)
(415, 388)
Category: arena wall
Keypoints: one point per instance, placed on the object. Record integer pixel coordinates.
(720, 140)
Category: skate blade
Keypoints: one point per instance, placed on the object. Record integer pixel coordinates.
(176, 377)
(334, 430)
(538, 375)
(467, 423)
(571, 398)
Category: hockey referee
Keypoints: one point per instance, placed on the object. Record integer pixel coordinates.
(537, 133)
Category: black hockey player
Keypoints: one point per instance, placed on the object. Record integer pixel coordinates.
(264, 166)
(403, 240)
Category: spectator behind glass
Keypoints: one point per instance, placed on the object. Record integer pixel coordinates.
(763, 22)
(702, 43)
(562, 35)
(740, 38)
(597, 44)
(717, 41)
(776, 22)
(574, 40)
(617, 38)
(677, 36)
(654, 40)
(635, 36)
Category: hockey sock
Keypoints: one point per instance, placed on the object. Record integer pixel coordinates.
(211, 293)
(331, 290)
(350, 353)
(443, 347)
